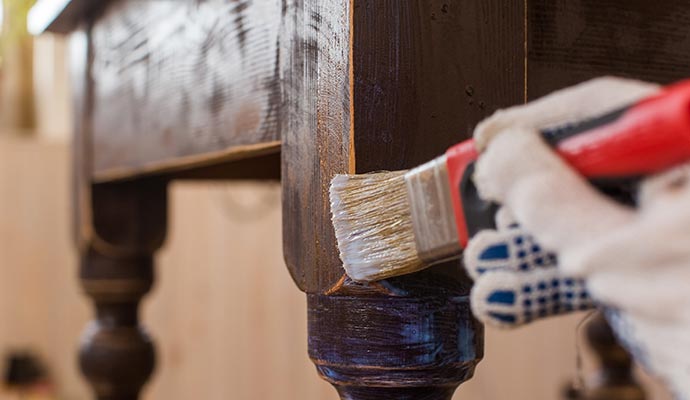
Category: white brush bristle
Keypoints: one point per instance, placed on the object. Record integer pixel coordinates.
(373, 225)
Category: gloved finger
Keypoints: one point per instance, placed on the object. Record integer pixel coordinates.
(508, 299)
(519, 154)
(510, 249)
(545, 195)
(583, 101)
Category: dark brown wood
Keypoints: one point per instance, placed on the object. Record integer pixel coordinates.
(260, 162)
(315, 123)
(265, 168)
(355, 393)
(428, 74)
(182, 83)
(615, 379)
(405, 338)
(572, 41)
(117, 356)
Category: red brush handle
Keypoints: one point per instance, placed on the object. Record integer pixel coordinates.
(647, 137)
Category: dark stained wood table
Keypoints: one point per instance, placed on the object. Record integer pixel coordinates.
(299, 90)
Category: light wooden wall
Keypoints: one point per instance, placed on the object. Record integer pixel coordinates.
(40, 304)
(228, 322)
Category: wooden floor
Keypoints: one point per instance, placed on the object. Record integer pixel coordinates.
(220, 277)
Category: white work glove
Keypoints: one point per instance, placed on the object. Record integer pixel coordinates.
(634, 262)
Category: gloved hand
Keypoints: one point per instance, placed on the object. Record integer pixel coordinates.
(633, 262)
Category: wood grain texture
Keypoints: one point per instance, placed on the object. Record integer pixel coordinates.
(178, 79)
(315, 123)
(427, 75)
(424, 72)
(407, 64)
(572, 41)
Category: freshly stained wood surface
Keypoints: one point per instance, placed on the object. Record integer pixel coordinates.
(428, 75)
(424, 72)
(316, 130)
(182, 83)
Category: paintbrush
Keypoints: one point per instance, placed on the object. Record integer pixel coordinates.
(394, 223)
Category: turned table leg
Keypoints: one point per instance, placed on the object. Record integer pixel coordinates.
(117, 356)
(615, 379)
(398, 339)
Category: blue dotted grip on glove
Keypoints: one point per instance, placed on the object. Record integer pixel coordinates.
(517, 281)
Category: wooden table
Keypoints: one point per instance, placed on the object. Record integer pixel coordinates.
(299, 90)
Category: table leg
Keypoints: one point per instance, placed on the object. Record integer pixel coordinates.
(615, 380)
(117, 356)
(389, 341)
(374, 85)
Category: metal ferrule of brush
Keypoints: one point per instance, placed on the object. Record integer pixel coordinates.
(433, 217)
